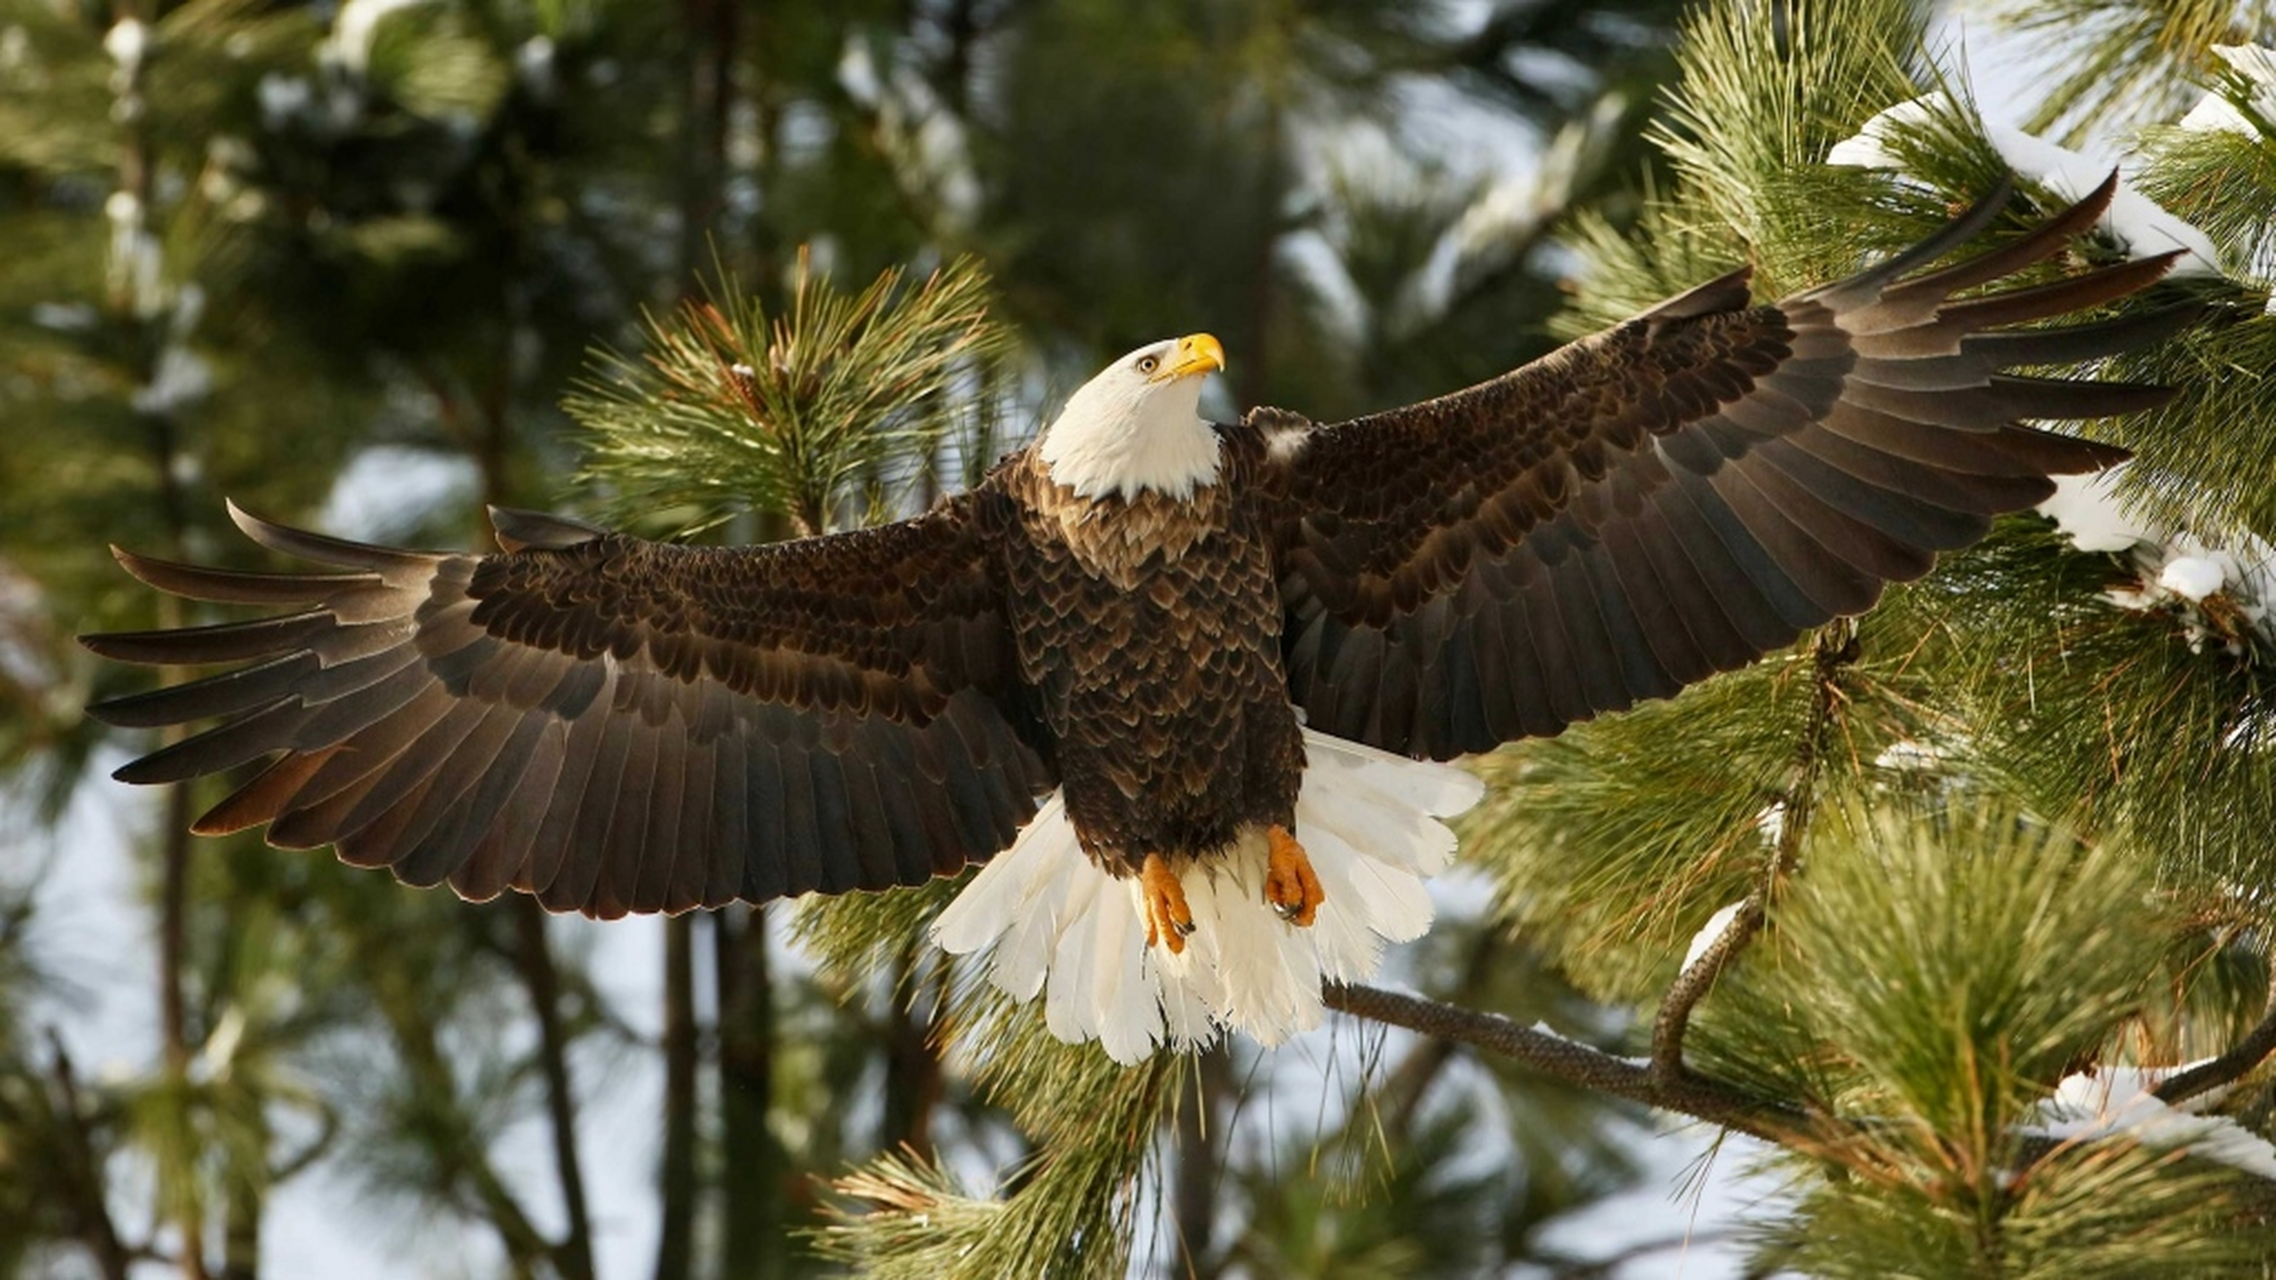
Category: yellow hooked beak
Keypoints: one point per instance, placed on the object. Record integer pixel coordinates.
(1197, 353)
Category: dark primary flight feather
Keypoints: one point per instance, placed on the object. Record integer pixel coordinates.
(1682, 493)
(611, 724)
(617, 725)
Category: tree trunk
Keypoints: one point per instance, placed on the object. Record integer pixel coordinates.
(707, 82)
(913, 1074)
(241, 1229)
(677, 1177)
(534, 958)
(752, 1165)
(1201, 1162)
(706, 101)
(173, 1026)
(137, 179)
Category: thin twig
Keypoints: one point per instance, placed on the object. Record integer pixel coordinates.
(1698, 978)
(1577, 1064)
(1836, 648)
(1612, 1263)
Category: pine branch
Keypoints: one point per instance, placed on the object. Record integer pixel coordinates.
(735, 409)
(1698, 978)
(1837, 648)
(1577, 1064)
(2242, 1057)
(1071, 1210)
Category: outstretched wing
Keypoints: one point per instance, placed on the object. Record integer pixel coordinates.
(1679, 494)
(611, 724)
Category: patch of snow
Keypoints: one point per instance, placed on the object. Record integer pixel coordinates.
(128, 42)
(181, 379)
(2256, 63)
(533, 63)
(2216, 113)
(355, 29)
(65, 317)
(2179, 569)
(2134, 220)
(1772, 822)
(387, 489)
(1868, 148)
(2244, 104)
(2116, 1102)
(136, 260)
(2255, 67)
(2193, 577)
(1909, 754)
(283, 99)
(1712, 932)
(2088, 511)
(1541, 1027)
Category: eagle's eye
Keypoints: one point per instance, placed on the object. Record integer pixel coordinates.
(1147, 364)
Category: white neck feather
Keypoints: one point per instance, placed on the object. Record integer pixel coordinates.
(1122, 435)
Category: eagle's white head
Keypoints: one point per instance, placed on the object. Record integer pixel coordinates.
(1137, 425)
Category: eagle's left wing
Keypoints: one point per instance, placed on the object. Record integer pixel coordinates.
(1679, 494)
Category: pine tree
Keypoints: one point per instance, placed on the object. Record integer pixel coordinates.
(382, 234)
(193, 191)
(1999, 834)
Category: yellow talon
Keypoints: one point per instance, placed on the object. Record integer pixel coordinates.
(1168, 918)
(1290, 885)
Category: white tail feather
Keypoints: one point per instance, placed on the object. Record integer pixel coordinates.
(1368, 820)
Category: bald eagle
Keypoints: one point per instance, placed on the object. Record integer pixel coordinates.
(1181, 687)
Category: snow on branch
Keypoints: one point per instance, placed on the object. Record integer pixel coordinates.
(1712, 932)
(2117, 1102)
(2134, 220)
(2246, 104)
(2221, 589)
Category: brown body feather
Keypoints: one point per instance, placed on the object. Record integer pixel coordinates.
(616, 725)
(1149, 630)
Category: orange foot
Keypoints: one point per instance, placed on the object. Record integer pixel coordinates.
(1168, 919)
(1289, 883)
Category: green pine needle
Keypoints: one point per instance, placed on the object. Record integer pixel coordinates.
(1766, 89)
(1074, 1209)
(1947, 966)
(733, 409)
(2112, 1211)
(2125, 63)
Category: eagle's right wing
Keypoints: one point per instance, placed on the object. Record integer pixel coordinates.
(610, 724)
(1679, 494)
